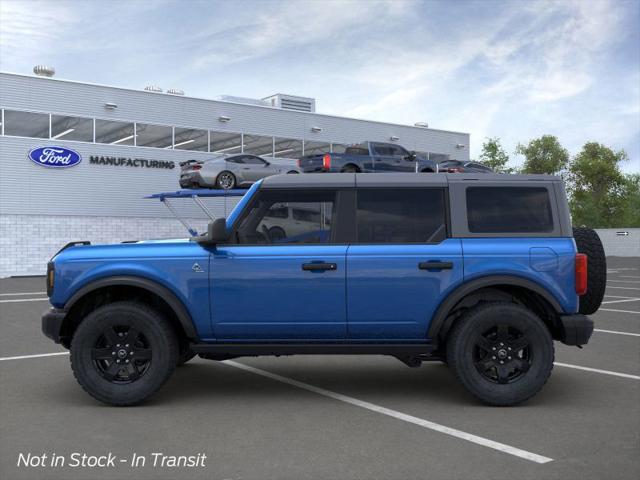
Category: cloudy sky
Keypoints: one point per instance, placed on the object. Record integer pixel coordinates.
(514, 69)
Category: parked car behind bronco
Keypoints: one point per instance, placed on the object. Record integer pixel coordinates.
(368, 157)
(481, 271)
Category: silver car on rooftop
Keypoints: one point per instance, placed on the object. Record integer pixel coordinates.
(231, 171)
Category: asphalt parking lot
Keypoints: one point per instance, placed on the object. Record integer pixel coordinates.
(312, 417)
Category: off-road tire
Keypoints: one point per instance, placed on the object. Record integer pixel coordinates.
(154, 330)
(462, 348)
(588, 242)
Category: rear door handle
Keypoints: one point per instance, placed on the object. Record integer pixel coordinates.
(319, 266)
(435, 265)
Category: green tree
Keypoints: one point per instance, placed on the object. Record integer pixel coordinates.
(494, 156)
(600, 193)
(543, 155)
(631, 205)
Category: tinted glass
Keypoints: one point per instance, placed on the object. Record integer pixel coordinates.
(71, 128)
(224, 142)
(314, 148)
(509, 210)
(157, 136)
(26, 124)
(113, 132)
(250, 159)
(357, 151)
(338, 148)
(287, 148)
(401, 216)
(268, 221)
(191, 139)
(258, 145)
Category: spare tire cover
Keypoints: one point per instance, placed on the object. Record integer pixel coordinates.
(588, 242)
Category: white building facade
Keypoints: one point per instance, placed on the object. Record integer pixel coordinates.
(130, 143)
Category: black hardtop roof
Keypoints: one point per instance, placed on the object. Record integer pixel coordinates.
(344, 180)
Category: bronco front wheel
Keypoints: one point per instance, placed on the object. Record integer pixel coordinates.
(501, 352)
(123, 352)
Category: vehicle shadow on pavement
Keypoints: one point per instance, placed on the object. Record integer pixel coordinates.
(201, 380)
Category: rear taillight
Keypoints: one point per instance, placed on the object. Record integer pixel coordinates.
(196, 167)
(326, 161)
(581, 273)
(454, 170)
(299, 163)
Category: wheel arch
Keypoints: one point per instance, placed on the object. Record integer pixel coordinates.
(106, 290)
(355, 166)
(492, 288)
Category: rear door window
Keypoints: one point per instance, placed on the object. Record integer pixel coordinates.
(509, 210)
(387, 215)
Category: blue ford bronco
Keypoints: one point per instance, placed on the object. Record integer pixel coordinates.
(480, 271)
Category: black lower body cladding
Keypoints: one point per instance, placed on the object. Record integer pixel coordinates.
(576, 329)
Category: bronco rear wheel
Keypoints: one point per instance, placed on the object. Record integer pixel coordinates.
(501, 352)
(123, 352)
(589, 243)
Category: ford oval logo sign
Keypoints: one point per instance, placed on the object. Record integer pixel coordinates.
(55, 157)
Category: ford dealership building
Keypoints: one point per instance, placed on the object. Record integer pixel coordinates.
(77, 159)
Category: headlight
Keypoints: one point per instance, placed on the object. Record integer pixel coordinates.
(50, 278)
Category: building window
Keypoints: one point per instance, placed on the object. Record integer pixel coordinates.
(191, 139)
(114, 133)
(71, 128)
(287, 148)
(258, 145)
(157, 136)
(316, 148)
(225, 143)
(26, 124)
(338, 148)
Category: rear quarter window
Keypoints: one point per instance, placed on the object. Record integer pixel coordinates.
(509, 210)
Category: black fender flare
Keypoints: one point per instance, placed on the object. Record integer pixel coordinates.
(183, 315)
(440, 325)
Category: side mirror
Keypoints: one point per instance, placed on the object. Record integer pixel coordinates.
(217, 230)
(266, 164)
(411, 156)
(216, 233)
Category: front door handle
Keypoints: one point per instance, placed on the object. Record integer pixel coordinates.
(435, 265)
(319, 266)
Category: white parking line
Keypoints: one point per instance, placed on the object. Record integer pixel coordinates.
(596, 370)
(21, 293)
(485, 442)
(24, 300)
(39, 355)
(616, 332)
(629, 276)
(614, 310)
(622, 288)
(623, 281)
(616, 296)
(620, 301)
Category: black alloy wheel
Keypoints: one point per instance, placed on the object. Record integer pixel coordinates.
(502, 354)
(121, 354)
